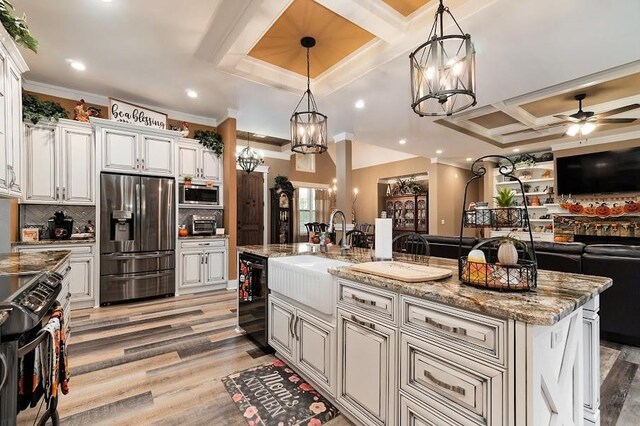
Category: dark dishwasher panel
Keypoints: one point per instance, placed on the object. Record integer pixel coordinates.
(252, 298)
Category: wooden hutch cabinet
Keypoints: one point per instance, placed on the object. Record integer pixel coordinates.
(410, 213)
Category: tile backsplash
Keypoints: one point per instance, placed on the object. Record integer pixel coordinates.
(183, 215)
(38, 215)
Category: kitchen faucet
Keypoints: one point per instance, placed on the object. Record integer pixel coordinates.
(332, 226)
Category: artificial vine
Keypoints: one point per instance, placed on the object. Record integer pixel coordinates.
(17, 27)
(211, 140)
(35, 110)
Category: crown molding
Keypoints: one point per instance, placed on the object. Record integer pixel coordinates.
(596, 141)
(436, 160)
(231, 113)
(341, 137)
(92, 98)
(267, 153)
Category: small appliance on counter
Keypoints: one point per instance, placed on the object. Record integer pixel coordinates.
(60, 226)
(202, 225)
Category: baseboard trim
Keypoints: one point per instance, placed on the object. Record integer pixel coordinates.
(232, 284)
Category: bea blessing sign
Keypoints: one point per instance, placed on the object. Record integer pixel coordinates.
(134, 114)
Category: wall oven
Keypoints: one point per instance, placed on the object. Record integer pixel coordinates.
(199, 195)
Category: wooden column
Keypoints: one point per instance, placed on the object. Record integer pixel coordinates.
(230, 199)
(344, 197)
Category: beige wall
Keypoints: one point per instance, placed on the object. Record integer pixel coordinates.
(449, 194)
(324, 174)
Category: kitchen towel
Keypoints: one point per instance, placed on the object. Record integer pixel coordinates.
(384, 239)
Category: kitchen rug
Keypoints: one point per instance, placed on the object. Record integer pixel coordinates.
(274, 395)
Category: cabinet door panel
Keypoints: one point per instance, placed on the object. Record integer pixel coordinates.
(4, 174)
(315, 354)
(14, 130)
(81, 279)
(366, 382)
(120, 150)
(215, 265)
(210, 165)
(191, 269)
(41, 150)
(281, 317)
(77, 170)
(157, 155)
(188, 161)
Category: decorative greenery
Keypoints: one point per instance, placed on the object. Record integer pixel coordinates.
(408, 186)
(283, 184)
(188, 178)
(17, 27)
(211, 140)
(34, 110)
(505, 197)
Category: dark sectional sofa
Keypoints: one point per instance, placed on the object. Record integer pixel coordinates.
(619, 306)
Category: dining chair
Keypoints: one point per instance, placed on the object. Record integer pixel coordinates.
(411, 243)
(356, 238)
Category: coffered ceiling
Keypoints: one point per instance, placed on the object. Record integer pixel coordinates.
(406, 7)
(336, 38)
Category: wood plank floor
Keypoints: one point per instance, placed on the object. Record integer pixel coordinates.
(160, 362)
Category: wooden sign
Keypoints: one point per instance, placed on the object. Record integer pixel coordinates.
(133, 114)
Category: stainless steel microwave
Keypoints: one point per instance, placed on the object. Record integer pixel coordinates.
(199, 194)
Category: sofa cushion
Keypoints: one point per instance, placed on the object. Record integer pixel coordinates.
(448, 246)
(617, 250)
(563, 248)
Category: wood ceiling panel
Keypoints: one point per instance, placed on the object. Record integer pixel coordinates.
(494, 120)
(604, 92)
(268, 140)
(406, 7)
(336, 38)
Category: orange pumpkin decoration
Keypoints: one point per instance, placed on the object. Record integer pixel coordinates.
(565, 206)
(590, 211)
(576, 208)
(603, 210)
(617, 210)
(631, 207)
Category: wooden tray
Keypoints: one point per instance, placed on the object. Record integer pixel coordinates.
(406, 272)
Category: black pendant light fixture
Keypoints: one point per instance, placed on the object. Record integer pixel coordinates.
(443, 74)
(249, 159)
(308, 126)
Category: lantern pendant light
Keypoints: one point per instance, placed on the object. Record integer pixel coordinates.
(308, 126)
(249, 159)
(443, 75)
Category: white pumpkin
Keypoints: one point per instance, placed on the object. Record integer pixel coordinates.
(507, 253)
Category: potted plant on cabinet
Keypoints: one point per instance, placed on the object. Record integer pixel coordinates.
(211, 140)
(187, 181)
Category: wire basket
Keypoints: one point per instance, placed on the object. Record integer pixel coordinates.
(493, 275)
(502, 217)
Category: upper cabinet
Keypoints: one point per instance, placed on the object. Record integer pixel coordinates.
(59, 163)
(197, 162)
(128, 148)
(12, 66)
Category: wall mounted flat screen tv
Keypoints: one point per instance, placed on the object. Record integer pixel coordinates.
(599, 173)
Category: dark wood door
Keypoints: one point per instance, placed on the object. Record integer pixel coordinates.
(250, 208)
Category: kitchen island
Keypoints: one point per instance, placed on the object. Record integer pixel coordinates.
(442, 352)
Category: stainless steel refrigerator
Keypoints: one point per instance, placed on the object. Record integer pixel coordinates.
(137, 237)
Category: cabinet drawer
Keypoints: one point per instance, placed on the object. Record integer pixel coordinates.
(73, 248)
(476, 334)
(449, 382)
(414, 413)
(368, 299)
(203, 244)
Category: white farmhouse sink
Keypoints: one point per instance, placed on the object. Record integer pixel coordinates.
(305, 279)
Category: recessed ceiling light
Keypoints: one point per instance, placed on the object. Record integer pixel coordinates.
(360, 103)
(402, 141)
(107, 1)
(439, 151)
(516, 149)
(192, 93)
(469, 159)
(76, 65)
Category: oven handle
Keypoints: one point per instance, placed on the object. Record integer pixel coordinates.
(32, 344)
(255, 266)
(138, 277)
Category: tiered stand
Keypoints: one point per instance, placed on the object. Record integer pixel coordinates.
(491, 274)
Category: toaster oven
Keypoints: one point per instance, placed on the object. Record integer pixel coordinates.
(202, 225)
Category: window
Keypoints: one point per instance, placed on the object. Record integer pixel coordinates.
(306, 207)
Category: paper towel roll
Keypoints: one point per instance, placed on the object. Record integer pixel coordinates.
(384, 238)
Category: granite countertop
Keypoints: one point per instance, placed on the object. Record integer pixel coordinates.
(3, 316)
(24, 263)
(203, 237)
(53, 242)
(556, 296)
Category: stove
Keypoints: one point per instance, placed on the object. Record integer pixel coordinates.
(26, 299)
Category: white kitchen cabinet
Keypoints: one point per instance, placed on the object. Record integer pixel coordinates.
(81, 276)
(12, 66)
(203, 265)
(197, 162)
(366, 368)
(305, 340)
(59, 163)
(128, 148)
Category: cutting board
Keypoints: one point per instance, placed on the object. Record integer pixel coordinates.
(406, 272)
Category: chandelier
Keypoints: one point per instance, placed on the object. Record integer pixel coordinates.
(249, 158)
(443, 75)
(308, 126)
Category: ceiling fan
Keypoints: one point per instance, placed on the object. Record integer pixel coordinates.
(584, 122)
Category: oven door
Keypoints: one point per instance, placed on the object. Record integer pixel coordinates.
(197, 194)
